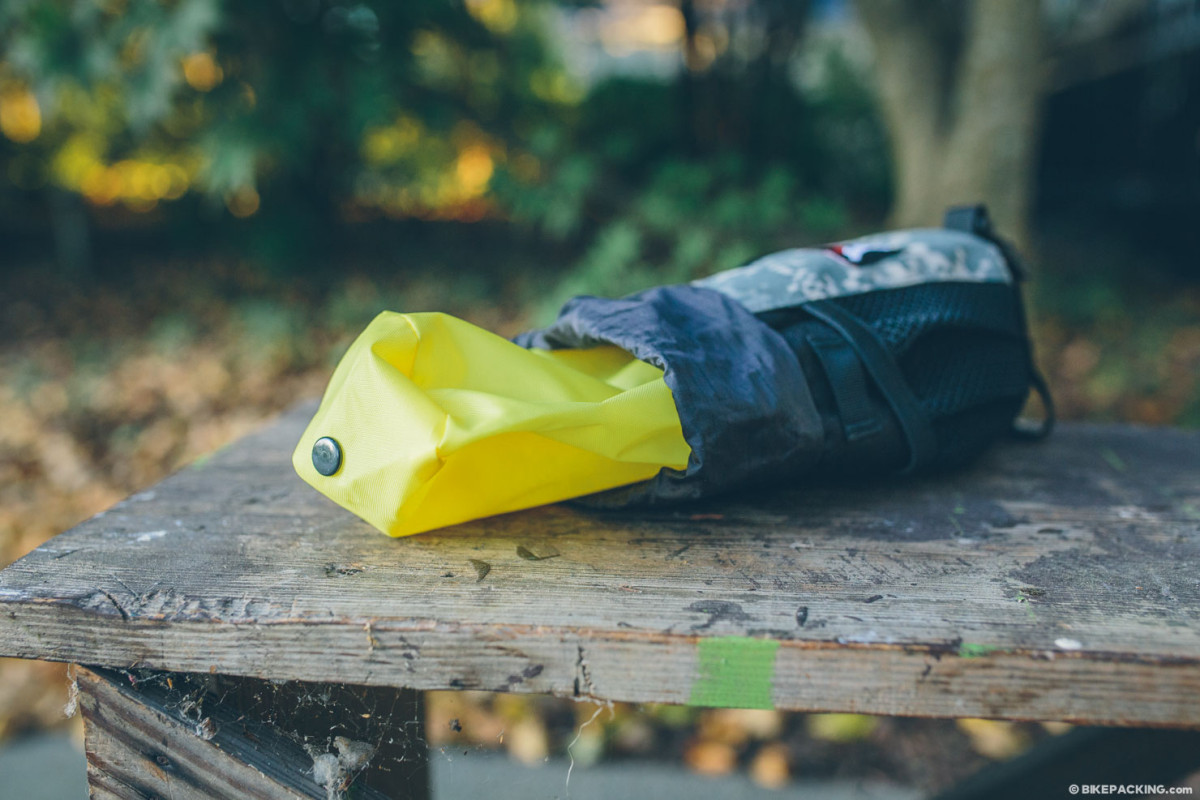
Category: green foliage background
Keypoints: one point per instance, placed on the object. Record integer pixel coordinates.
(283, 125)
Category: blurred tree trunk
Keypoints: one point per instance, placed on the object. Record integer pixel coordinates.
(961, 89)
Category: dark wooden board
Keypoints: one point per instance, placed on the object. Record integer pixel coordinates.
(138, 749)
(204, 736)
(1058, 580)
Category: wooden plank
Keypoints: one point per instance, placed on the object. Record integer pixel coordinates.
(191, 736)
(137, 750)
(1049, 581)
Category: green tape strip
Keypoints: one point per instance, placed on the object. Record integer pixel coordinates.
(735, 672)
(972, 650)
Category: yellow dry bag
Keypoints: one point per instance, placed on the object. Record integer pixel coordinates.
(429, 421)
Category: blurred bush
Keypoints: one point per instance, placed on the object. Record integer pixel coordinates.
(308, 118)
(301, 112)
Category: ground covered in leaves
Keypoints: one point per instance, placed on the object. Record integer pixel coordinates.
(111, 381)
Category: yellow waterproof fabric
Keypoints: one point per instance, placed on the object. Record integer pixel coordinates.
(440, 421)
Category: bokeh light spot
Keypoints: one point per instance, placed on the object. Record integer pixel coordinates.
(243, 203)
(202, 72)
(20, 116)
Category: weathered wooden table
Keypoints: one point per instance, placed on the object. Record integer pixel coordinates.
(1053, 581)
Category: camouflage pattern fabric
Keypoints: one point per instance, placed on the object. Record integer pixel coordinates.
(880, 261)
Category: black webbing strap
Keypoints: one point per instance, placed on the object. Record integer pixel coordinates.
(969, 219)
(882, 367)
(975, 220)
(1024, 428)
(848, 383)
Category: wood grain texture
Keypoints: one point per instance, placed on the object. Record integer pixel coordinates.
(150, 734)
(1049, 581)
(138, 749)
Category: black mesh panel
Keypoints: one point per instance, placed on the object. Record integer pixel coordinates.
(961, 347)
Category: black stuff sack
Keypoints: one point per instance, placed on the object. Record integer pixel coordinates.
(899, 352)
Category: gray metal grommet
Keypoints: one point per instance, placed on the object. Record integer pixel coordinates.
(326, 455)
